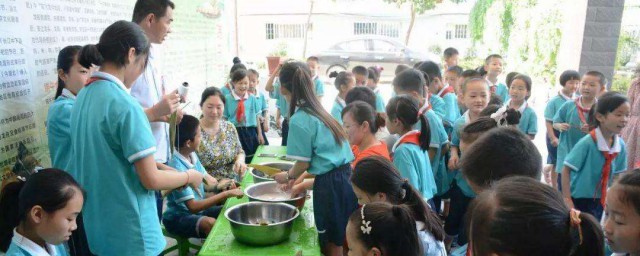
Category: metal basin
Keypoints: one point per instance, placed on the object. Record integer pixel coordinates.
(269, 191)
(261, 224)
(259, 176)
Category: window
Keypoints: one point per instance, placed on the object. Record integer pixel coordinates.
(278, 31)
(448, 35)
(461, 31)
(391, 29)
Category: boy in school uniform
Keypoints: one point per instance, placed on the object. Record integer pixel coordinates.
(493, 66)
(451, 56)
(313, 63)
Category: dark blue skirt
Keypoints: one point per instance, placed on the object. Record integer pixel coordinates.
(333, 203)
(249, 140)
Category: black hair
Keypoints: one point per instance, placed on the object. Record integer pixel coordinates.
(376, 174)
(455, 69)
(400, 68)
(602, 79)
(114, 45)
(407, 109)
(569, 75)
(469, 73)
(527, 82)
(510, 77)
(237, 65)
(449, 52)
(374, 73)
(484, 123)
(488, 59)
(417, 64)
(630, 186)
(146, 7)
(210, 92)
(466, 82)
(66, 57)
(484, 161)
(481, 71)
(296, 78)
(313, 58)
(360, 70)
(187, 130)
(393, 230)
(431, 70)
(490, 109)
(361, 112)
(494, 99)
(254, 72)
(341, 78)
(238, 75)
(606, 104)
(522, 216)
(366, 95)
(50, 189)
(410, 80)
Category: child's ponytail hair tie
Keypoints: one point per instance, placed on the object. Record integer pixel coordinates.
(574, 219)
(500, 115)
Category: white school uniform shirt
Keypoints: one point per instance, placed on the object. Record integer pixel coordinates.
(148, 90)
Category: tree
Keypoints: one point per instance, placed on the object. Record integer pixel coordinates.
(417, 7)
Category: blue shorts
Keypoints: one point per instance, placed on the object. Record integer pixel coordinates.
(188, 225)
(333, 203)
(552, 157)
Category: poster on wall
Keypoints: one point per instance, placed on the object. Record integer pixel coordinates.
(32, 32)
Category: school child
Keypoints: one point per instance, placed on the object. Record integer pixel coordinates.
(437, 87)
(437, 103)
(314, 64)
(493, 66)
(383, 229)
(569, 80)
(599, 156)
(319, 145)
(409, 152)
(263, 103)
(344, 82)
(411, 82)
(519, 93)
(38, 213)
(189, 213)
(622, 215)
(242, 109)
(361, 74)
(112, 149)
(475, 95)
(361, 126)
(372, 83)
(400, 68)
(469, 73)
(71, 78)
(509, 78)
(365, 94)
(450, 58)
(282, 106)
(572, 119)
(522, 216)
(453, 77)
(375, 179)
(237, 65)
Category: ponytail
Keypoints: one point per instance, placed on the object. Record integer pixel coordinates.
(587, 237)
(472, 131)
(406, 109)
(115, 43)
(90, 55)
(413, 200)
(9, 216)
(425, 132)
(66, 57)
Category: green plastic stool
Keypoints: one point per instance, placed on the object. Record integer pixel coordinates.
(182, 244)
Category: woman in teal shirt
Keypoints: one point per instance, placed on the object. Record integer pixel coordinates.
(112, 149)
(71, 78)
(319, 146)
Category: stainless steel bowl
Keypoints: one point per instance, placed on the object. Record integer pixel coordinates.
(259, 176)
(260, 223)
(269, 191)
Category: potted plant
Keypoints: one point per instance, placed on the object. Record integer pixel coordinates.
(273, 60)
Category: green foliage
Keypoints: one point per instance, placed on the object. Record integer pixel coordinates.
(420, 6)
(477, 19)
(627, 46)
(507, 23)
(621, 83)
(280, 50)
(435, 49)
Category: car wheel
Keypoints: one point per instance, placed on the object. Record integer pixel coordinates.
(337, 68)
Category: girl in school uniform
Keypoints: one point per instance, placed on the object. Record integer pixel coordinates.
(263, 104)
(409, 152)
(622, 216)
(243, 109)
(572, 119)
(71, 78)
(519, 93)
(237, 65)
(376, 180)
(319, 145)
(112, 149)
(569, 80)
(594, 161)
(368, 96)
(361, 126)
(38, 213)
(344, 82)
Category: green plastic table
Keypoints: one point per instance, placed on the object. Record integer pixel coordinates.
(304, 237)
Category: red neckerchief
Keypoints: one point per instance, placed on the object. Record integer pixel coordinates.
(93, 79)
(240, 116)
(446, 91)
(581, 111)
(411, 138)
(606, 169)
